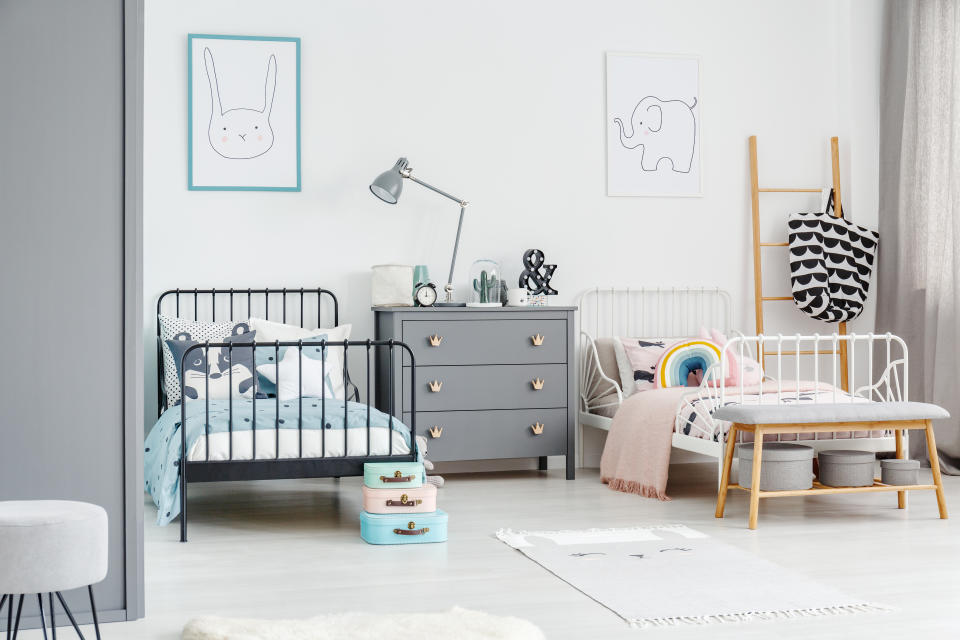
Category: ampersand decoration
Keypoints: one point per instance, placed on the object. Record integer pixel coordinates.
(536, 281)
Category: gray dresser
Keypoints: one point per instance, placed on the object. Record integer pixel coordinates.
(490, 383)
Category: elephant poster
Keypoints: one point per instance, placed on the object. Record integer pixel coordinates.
(653, 125)
(243, 95)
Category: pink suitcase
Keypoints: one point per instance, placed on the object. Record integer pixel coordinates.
(421, 499)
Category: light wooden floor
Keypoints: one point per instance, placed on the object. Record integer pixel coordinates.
(292, 549)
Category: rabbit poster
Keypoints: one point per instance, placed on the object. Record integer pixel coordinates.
(653, 125)
(244, 113)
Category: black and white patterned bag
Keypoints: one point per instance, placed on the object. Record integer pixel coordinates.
(831, 260)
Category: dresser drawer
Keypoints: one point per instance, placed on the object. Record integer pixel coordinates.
(479, 435)
(487, 387)
(486, 341)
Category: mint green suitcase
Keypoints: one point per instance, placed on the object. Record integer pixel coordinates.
(393, 475)
(403, 528)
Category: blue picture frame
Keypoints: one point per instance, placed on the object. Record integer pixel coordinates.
(190, 152)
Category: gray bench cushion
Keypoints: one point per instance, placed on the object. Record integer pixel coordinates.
(829, 412)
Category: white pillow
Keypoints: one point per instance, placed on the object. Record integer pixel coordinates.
(313, 383)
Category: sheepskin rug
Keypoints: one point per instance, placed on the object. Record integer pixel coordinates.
(456, 624)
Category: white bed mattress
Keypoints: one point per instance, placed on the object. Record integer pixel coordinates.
(290, 444)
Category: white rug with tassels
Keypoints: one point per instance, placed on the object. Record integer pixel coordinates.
(671, 575)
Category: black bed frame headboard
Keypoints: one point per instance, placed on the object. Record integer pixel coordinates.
(209, 296)
(199, 302)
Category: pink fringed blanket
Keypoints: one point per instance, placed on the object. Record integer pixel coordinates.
(637, 453)
(636, 456)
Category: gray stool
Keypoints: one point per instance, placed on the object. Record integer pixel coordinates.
(50, 546)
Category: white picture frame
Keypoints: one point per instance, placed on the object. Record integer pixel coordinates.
(243, 108)
(654, 133)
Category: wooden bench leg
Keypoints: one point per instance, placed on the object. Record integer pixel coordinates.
(935, 467)
(725, 476)
(755, 480)
(901, 495)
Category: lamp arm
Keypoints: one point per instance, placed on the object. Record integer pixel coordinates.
(461, 202)
(456, 243)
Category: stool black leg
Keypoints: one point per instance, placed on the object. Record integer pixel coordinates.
(93, 608)
(16, 625)
(43, 621)
(63, 603)
(53, 620)
(10, 608)
(10, 617)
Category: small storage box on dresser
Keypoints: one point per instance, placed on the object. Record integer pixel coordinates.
(408, 500)
(900, 472)
(786, 466)
(398, 528)
(380, 475)
(846, 468)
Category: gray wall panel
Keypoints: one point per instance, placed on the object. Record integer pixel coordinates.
(62, 190)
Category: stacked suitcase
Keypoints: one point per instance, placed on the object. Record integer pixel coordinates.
(398, 506)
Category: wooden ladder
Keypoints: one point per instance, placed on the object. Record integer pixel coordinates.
(758, 246)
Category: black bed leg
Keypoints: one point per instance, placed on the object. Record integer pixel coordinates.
(183, 510)
(542, 463)
(571, 467)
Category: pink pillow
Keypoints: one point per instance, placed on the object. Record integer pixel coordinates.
(642, 354)
(751, 368)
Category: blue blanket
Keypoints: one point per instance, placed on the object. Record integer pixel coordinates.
(162, 446)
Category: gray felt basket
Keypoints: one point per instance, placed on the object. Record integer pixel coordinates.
(785, 466)
(846, 468)
(900, 472)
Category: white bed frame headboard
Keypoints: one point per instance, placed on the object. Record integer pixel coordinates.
(653, 312)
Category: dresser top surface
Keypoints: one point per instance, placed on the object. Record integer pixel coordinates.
(527, 309)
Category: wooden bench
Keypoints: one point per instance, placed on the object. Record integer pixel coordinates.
(819, 418)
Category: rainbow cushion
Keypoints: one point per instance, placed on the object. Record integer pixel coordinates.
(678, 366)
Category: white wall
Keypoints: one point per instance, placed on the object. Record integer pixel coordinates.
(502, 103)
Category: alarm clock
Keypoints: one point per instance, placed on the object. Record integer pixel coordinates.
(426, 295)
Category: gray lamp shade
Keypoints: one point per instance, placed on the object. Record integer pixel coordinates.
(389, 185)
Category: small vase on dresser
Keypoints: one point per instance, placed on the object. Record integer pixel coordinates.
(491, 383)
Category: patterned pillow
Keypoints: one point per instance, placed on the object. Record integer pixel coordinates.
(637, 360)
(685, 363)
(198, 331)
(266, 357)
(214, 372)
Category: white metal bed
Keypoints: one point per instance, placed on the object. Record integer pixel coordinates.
(680, 312)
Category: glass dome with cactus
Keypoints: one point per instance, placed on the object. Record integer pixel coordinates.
(486, 284)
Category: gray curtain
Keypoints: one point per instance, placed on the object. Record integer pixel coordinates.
(919, 257)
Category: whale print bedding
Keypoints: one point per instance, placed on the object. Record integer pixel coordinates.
(692, 416)
(636, 455)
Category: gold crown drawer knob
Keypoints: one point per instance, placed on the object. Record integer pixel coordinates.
(537, 384)
(537, 428)
(435, 340)
(435, 386)
(537, 340)
(436, 431)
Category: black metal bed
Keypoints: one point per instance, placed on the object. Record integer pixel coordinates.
(324, 466)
